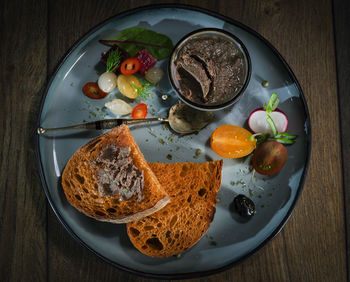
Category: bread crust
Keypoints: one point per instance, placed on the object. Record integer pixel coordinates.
(80, 182)
(192, 189)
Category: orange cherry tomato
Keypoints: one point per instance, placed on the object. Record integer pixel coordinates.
(92, 90)
(231, 141)
(140, 111)
(130, 66)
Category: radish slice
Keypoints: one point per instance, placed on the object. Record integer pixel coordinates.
(258, 124)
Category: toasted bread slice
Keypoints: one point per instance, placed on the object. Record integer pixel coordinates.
(82, 185)
(192, 189)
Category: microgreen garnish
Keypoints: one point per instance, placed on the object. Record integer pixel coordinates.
(271, 123)
(272, 103)
(113, 60)
(283, 137)
(143, 90)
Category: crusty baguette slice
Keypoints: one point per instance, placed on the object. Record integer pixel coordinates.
(80, 182)
(192, 189)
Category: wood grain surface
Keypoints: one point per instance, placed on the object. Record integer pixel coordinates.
(34, 36)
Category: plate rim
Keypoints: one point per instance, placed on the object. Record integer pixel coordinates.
(185, 275)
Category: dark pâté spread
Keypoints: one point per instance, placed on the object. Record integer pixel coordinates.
(209, 69)
(116, 173)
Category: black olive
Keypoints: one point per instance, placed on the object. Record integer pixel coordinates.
(244, 206)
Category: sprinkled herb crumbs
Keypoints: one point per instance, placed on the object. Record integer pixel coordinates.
(197, 153)
(72, 84)
(265, 83)
(161, 141)
(169, 157)
(218, 200)
(178, 255)
(251, 192)
(146, 140)
(213, 243)
(177, 148)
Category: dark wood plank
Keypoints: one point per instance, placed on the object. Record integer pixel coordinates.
(342, 42)
(22, 201)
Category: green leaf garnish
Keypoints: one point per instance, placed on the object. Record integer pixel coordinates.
(272, 103)
(259, 137)
(113, 60)
(134, 39)
(285, 141)
(271, 123)
(143, 91)
(286, 135)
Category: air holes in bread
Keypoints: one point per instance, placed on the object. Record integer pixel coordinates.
(134, 232)
(183, 171)
(67, 183)
(80, 178)
(155, 244)
(159, 225)
(165, 212)
(202, 192)
(148, 227)
(99, 213)
(78, 197)
(189, 198)
(111, 210)
(167, 234)
(86, 191)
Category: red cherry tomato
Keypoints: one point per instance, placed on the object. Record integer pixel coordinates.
(130, 66)
(140, 111)
(269, 158)
(92, 90)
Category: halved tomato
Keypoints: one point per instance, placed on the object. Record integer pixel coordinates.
(92, 90)
(130, 66)
(140, 111)
(231, 141)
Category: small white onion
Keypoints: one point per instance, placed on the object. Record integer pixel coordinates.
(118, 107)
(154, 74)
(107, 81)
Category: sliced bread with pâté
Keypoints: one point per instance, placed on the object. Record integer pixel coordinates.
(192, 188)
(109, 179)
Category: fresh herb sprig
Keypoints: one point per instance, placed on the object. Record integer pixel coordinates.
(113, 60)
(283, 137)
(143, 91)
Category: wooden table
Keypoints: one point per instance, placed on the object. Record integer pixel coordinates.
(313, 37)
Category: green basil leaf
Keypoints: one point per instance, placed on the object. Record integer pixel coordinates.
(134, 39)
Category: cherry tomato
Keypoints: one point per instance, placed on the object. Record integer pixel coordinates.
(92, 90)
(269, 158)
(140, 111)
(231, 141)
(130, 66)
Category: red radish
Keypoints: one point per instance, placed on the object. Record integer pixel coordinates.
(258, 124)
(268, 119)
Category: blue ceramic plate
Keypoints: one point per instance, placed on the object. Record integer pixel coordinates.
(229, 239)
